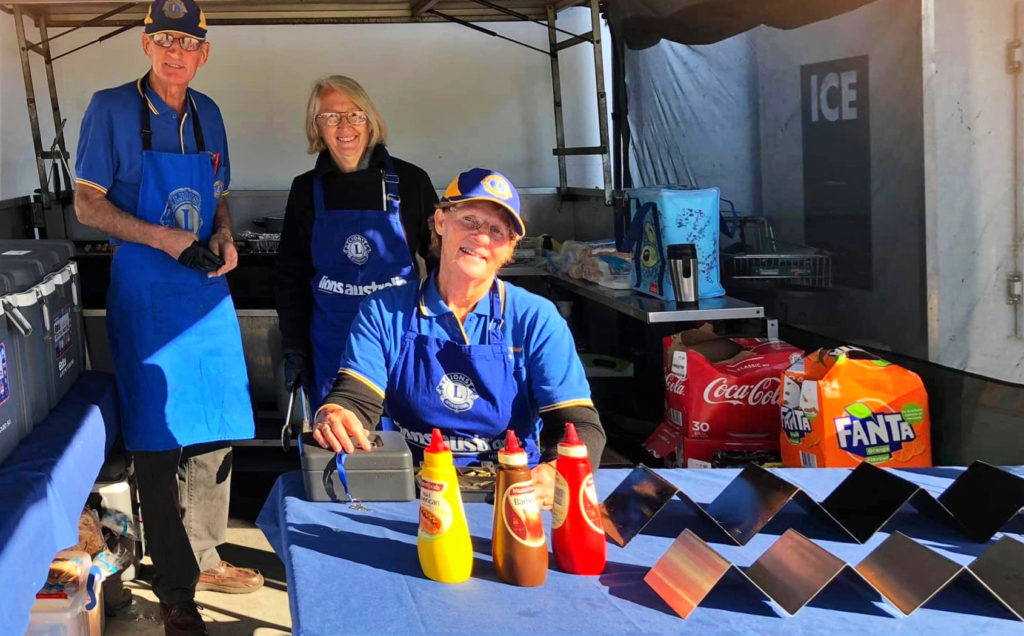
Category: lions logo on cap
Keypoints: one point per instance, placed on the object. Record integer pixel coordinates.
(457, 392)
(183, 210)
(498, 186)
(174, 9)
(357, 249)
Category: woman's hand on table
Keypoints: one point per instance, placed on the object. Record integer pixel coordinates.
(336, 427)
(544, 484)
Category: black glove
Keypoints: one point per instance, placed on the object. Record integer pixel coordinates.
(296, 366)
(201, 258)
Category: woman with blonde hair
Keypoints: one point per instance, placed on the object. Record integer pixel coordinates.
(353, 225)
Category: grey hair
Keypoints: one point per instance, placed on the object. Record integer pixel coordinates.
(354, 91)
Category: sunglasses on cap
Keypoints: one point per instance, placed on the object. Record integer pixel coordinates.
(186, 42)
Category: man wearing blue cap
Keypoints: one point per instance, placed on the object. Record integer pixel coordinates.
(464, 351)
(153, 173)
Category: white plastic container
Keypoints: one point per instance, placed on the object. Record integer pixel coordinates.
(117, 497)
(69, 616)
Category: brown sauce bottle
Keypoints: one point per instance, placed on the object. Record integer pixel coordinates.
(518, 545)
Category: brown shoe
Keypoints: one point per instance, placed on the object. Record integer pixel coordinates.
(182, 619)
(228, 579)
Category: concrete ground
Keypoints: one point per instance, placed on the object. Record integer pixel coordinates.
(262, 613)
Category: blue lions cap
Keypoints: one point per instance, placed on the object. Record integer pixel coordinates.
(481, 184)
(183, 16)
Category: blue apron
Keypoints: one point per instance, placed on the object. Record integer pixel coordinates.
(355, 253)
(468, 391)
(174, 335)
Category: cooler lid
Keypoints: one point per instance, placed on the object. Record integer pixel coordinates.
(61, 250)
(19, 275)
(47, 260)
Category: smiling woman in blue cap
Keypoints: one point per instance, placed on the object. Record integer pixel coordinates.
(464, 351)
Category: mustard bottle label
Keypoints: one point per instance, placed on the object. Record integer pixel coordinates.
(435, 511)
(589, 506)
(522, 514)
(560, 507)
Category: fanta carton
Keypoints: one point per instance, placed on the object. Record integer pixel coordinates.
(846, 406)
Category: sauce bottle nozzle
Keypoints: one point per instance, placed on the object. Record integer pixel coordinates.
(571, 438)
(437, 443)
(511, 443)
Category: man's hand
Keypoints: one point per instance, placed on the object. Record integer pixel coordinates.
(174, 241)
(223, 245)
(544, 484)
(334, 425)
(200, 258)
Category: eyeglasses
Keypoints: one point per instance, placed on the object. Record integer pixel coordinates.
(354, 118)
(474, 224)
(186, 42)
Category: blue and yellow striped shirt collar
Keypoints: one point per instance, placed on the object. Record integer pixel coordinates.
(157, 106)
(432, 305)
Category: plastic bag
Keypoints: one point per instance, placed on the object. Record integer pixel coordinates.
(595, 261)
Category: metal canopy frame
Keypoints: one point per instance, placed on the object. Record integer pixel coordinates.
(122, 17)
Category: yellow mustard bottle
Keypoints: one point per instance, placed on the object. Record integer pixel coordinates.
(443, 543)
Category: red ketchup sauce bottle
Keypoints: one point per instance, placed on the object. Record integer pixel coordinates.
(577, 535)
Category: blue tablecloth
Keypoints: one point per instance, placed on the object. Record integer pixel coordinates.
(44, 484)
(357, 572)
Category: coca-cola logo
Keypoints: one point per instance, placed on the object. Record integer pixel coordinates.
(764, 393)
(675, 384)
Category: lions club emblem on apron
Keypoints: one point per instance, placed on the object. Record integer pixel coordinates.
(183, 210)
(457, 392)
(357, 249)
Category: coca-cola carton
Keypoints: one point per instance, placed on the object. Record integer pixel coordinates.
(720, 388)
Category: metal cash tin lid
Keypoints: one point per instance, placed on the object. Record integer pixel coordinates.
(390, 452)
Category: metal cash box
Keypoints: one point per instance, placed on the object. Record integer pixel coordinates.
(383, 474)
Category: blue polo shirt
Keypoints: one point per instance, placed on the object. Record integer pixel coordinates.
(110, 143)
(547, 368)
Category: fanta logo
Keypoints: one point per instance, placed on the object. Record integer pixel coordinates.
(457, 392)
(880, 434)
(183, 210)
(357, 249)
(174, 9)
(498, 186)
(795, 424)
(764, 393)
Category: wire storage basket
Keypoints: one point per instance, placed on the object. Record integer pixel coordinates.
(762, 259)
(261, 242)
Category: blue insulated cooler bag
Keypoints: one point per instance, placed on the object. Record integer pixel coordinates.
(663, 217)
